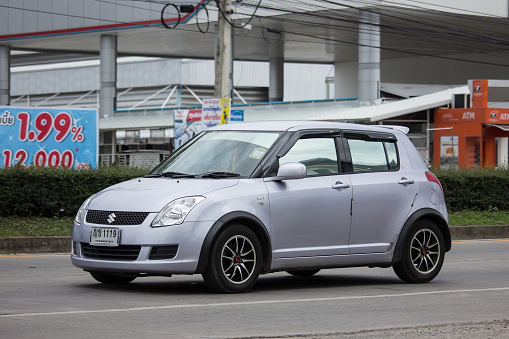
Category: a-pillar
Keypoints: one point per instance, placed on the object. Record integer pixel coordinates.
(369, 58)
(5, 75)
(108, 69)
(276, 72)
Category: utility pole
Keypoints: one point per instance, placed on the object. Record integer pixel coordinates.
(224, 54)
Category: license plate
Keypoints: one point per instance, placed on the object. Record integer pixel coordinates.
(104, 236)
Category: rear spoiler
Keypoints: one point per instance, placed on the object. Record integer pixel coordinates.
(398, 128)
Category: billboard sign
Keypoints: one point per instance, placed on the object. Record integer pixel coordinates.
(187, 124)
(225, 111)
(236, 115)
(211, 113)
(49, 137)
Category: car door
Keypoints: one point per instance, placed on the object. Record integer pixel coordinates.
(310, 217)
(384, 189)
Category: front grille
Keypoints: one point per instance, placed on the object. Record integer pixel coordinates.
(163, 252)
(116, 218)
(122, 252)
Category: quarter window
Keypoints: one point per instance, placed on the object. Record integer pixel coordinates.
(318, 154)
(392, 156)
(373, 155)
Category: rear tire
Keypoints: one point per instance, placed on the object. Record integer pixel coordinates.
(107, 278)
(234, 261)
(303, 273)
(423, 253)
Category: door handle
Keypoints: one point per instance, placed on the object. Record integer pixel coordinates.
(340, 185)
(404, 181)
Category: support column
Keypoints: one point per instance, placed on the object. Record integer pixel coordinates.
(276, 71)
(108, 69)
(223, 51)
(346, 77)
(503, 152)
(276, 79)
(5, 75)
(369, 59)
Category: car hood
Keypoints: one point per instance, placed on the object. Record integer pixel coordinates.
(152, 194)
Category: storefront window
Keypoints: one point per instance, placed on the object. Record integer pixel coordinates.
(449, 151)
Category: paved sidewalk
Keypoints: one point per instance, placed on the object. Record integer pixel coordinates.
(13, 245)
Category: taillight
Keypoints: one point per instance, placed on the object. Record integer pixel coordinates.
(433, 178)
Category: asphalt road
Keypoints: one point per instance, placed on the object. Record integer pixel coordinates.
(44, 296)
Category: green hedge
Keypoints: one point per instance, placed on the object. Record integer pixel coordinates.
(475, 189)
(58, 192)
(54, 192)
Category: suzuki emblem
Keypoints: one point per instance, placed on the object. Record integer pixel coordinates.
(111, 218)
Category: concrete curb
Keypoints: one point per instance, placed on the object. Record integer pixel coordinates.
(12, 245)
(479, 232)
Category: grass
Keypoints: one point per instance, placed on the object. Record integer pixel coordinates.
(479, 218)
(35, 226)
(40, 226)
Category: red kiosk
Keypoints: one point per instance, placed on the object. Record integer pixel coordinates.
(472, 137)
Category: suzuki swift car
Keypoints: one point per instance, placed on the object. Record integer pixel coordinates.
(245, 199)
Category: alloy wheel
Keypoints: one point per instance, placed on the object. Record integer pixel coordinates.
(425, 250)
(238, 259)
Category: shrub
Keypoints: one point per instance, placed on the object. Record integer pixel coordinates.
(58, 192)
(475, 189)
(50, 192)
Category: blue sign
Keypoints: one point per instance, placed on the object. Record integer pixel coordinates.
(48, 137)
(236, 115)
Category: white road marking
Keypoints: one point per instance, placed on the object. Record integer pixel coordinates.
(261, 302)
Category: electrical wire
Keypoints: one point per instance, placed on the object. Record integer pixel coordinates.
(208, 18)
(258, 5)
(413, 20)
(271, 30)
(403, 24)
(230, 22)
(162, 16)
(402, 51)
(481, 38)
(397, 30)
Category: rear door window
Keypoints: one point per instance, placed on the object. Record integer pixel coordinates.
(372, 155)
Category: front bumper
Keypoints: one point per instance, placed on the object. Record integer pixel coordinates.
(142, 249)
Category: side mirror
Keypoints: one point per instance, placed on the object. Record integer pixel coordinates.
(290, 170)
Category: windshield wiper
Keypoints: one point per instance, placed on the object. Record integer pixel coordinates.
(217, 175)
(171, 175)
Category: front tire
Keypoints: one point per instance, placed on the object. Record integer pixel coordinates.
(107, 278)
(423, 253)
(235, 261)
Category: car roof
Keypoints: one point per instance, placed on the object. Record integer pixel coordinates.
(296, 125)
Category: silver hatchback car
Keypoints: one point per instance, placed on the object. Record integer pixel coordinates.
(243, 199)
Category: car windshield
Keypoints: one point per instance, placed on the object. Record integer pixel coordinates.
(218, 154)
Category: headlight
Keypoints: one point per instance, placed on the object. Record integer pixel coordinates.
(176, 211)
(82, 210)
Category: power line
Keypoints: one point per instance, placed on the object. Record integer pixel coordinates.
(401, 24)
(428, 35)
